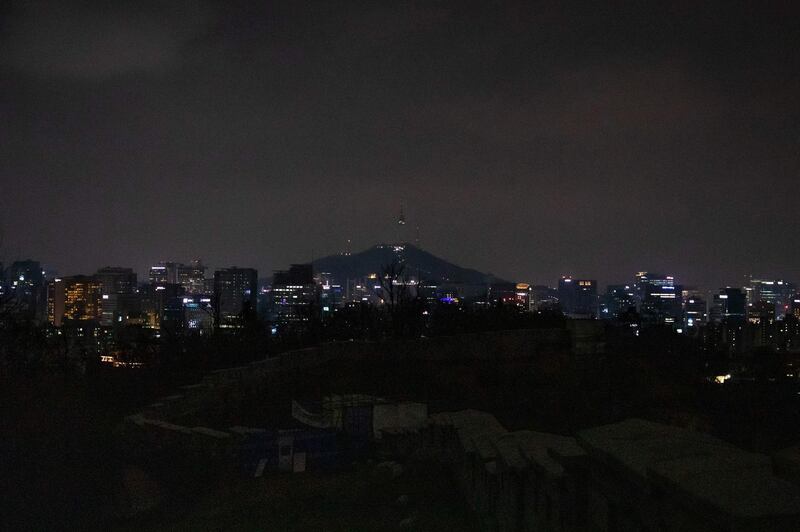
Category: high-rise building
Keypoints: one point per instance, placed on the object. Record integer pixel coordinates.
(198, 314)
(794, 308)
(82, 298)
(27, 289)
(116, 280)
(119, 294)
(55, 302)
(332, 295)
(525, 297)
(544, 297)
(208, 285)
(729, 304)
(695, 311)
(331, 298)
(502, 293)
(161, 305)
(730, 331)
(293, 296)
(776, 292)
(578, 297)
(659, 299)
(762, 312)
(164, 273)
(620, 299)
(364, 290)
(235, 293)
(192, 277)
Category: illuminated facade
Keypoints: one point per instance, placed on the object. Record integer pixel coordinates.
(331, 294)
(794, 308)
(525, 296)
(777, 293)
(190, 276)
(620, 298)
(364, 290)
(293, 296)
(659, 298)
(164, 273)
(27, 288)
(695, 308)
(82, 298)
(198, 314)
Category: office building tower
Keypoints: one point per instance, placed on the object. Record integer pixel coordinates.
(620, 299)
(116, 280)
(235, 292)
(504, 293)
(159, 304)
(26, 290)
(55, 302)
(729, 304)
(774, 292)
(659, 299)
(198, 313)
(544, 297)
(294, 296)
(192, 277)
(525, 297)
(163, 273)
(82, 298)
(119, 294)
(578, 297)
(695, 308)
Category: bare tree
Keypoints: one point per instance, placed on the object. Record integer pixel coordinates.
(9, 304)
(394, 293)
(394, 285)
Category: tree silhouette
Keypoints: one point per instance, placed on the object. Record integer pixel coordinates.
(394, 285)
(404, 308)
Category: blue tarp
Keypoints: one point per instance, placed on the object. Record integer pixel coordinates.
(320, 445)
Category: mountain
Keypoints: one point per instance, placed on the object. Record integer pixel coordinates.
(418, 263)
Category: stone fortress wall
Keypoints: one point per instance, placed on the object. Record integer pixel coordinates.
(178, 422)
(632, 475)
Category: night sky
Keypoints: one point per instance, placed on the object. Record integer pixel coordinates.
(527, 140)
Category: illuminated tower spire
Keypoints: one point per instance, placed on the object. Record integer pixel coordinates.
(401, 223)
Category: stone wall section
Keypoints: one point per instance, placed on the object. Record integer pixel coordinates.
(176, 422)
(632, 475)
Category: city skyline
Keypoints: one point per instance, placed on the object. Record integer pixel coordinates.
(145, 274)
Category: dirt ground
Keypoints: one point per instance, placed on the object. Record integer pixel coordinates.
(362, 497)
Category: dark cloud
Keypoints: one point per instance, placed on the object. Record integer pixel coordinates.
(526, 138)
(97, 41)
